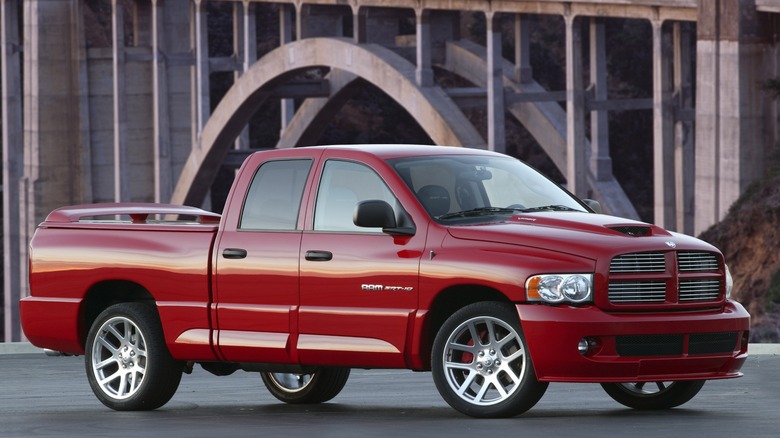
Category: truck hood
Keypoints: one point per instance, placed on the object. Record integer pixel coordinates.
(581, 234)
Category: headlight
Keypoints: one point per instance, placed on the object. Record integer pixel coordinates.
(558, 288)
(729, 283)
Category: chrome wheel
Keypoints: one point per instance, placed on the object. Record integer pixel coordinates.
(481, 365)
(289, 382)
(127, 360)
(484, 361)
(646, 388)
(316, 387)
(119, 358)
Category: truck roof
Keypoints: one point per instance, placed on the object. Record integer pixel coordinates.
(389, 151)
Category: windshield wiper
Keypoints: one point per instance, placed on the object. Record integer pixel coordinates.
(549, 208)
(481, 211)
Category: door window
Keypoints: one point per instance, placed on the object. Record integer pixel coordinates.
(343, 185)
(274, 196)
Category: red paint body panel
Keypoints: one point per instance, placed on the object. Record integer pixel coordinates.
(369, 298)
(563, 327)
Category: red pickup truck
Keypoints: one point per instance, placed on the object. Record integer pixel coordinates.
(463, 262)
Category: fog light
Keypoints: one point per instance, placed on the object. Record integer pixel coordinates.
(583, 346)
(588, 346)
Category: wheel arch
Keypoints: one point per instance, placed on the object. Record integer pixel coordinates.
(445, 304)
(107, 293)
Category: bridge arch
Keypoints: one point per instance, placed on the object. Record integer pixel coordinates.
(546, 121)
(436, 113)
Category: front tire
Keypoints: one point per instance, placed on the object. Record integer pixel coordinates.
(128, 364)
(481, 364)
(306, 388)
(653, 395)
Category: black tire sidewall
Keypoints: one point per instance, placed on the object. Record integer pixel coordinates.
(678, 393)
(524, 398)
(162, 374)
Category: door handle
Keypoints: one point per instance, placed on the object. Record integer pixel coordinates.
(318, 256)
(234, 253)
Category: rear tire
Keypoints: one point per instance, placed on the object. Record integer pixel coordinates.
(481, 364)
(317, 387)
(653, 395)
(128, 363)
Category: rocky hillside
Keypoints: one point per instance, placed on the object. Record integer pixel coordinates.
(750, 240)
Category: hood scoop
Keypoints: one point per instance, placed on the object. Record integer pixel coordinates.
(633, 230)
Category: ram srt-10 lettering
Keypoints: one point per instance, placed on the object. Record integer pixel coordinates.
(463, 262)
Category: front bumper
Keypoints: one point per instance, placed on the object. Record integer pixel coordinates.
(668, 346)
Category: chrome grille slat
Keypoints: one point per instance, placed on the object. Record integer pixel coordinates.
(638, 263)
(697, 261)
(637, 291)
(699, 290)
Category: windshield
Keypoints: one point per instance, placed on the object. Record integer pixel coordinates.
(462, 188)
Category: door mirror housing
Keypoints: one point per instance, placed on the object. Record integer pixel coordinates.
(379, 214)
(594, 205)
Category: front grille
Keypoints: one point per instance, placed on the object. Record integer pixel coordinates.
(674, 344)
(646, 278)
(638, 263)
(637, 291)
(713, 343)
(649, 345)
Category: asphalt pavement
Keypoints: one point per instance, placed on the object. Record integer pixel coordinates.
(50, 396)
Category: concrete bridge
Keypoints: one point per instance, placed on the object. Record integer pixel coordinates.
(128, 115)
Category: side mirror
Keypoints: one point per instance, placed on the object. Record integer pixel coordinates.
(594, 205)
(378, 214)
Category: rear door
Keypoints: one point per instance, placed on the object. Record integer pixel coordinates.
(359, 286)
(257, 264)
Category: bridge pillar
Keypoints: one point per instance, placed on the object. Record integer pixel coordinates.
(200, 45)
(56, 158)
(121, 164)
(287, 22)
(600, 160)
(495, 86)
(424, 73)
(663, 130)
(14, 250)
(523, 70)
(729, 112)
(576, 174)
(163, 174)
(245, 49)
(684, 138)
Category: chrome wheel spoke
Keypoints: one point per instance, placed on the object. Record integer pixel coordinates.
(467, 383)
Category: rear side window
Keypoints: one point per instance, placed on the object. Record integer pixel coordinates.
(274, 197)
